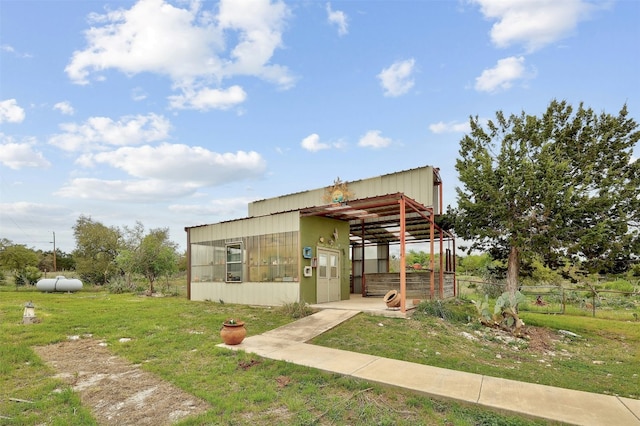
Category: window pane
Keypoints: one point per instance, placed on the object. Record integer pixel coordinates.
(234, 262)
(322, 266)
(334, 265)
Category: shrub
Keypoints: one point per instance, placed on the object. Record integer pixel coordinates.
(296, 310)
(118, 285)
(619, 285)
(29, 275)
(492, 289)
(449, 310)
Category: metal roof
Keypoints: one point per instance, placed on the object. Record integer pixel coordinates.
(378, 218)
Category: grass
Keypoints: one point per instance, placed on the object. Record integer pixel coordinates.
(176, 339)
(605, 358)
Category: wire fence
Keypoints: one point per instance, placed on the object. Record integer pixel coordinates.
(555, 299)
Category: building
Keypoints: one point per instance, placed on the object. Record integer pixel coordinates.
(324, 244)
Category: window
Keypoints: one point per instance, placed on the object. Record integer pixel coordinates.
(234, 262)
(258, 258)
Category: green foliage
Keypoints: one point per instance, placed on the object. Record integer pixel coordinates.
(97, 247)
(152, 255)
(296, 310)
(492, 289)
(449, 310)
(419, 257)
(474, 264)
(482, 308)
(561, 182)
(28, 276)
(119, 285)
(620, 285)
(17, 257)
(540, 274)
(508, 301)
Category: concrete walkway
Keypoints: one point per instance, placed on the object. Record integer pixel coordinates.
(287, 343)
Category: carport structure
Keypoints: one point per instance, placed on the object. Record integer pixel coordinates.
(394, 219)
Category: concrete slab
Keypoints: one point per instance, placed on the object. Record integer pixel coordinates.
(368, 305)
(633, 405)
(326, 359)
(431, 381)
(555, 404)
(261, 345)
(309, 327)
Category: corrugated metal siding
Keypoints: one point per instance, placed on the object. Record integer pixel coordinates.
(282, 222)
(286, 203)
(416, 183)
(248, 293)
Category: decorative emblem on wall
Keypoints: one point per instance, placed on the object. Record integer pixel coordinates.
(337, 193)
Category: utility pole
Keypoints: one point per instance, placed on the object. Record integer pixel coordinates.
(55, 269)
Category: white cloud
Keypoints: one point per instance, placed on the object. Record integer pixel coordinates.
(217, 207)
(19, 155)
(374, 139)
(98, 132)
(193, 166)
(533, 23)
(312, 143)
(144, 190)
(397, 79)
(339, 19)
(163, 173)
(450, 127)
(259, 25)
(9, 49)
(64, 107)
(188, 45)
(503, 75)
(205, 99)
(11, 112)
(138, 94)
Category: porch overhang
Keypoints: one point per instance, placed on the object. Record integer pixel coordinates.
(377, 220)
(387, 219)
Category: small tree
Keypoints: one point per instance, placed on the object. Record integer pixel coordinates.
(560, 185)
(97, 247)
(21, 261)
(157, 256)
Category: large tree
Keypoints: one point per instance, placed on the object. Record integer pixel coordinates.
(562, 185)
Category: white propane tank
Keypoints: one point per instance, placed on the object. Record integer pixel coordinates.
(59, 283)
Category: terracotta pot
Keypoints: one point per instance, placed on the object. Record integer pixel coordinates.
(233, 334)
(392, 299)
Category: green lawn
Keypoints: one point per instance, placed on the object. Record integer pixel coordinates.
(605, 358)
(176, 339)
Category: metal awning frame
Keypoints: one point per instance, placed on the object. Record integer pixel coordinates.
(389, 219)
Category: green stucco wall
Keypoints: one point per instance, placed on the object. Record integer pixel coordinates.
(314, 230)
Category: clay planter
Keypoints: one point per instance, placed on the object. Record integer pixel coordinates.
(392, 299)
(233, 332)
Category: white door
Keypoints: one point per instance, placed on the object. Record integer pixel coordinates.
(328, 277)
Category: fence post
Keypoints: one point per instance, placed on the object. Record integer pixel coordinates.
(593, 303)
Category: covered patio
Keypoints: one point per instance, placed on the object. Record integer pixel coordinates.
(394, 219)
(368, 305)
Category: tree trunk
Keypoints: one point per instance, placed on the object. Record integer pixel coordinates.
(513, 271)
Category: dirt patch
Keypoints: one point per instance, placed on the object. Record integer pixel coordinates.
(540, 339)
(116, 391)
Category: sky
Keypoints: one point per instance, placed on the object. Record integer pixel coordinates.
(179, 113)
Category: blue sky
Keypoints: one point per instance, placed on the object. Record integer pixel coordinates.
(179, 113)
